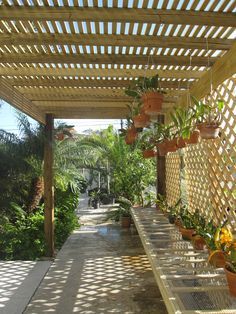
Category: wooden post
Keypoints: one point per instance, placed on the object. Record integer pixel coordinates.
(48, 187)
(161, 168)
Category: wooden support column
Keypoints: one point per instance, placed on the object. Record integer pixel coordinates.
(48, 187)
(161, 168)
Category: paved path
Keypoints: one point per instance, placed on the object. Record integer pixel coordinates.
(100, 269)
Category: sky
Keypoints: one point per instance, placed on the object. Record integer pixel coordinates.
(8, 121)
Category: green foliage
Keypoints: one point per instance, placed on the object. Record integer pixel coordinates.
(122, 211)
(23, 238)
(143, 85)
(65, 217)
(206, 113)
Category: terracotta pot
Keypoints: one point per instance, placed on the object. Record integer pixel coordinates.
(231, 278)
(218, 260)
(208, 131)
(181, 142)
(198, 242)
(152, 103)
(131, 136)
(162, 148)
(60, 136)
(141, 120)
(186, 233)
(194, 137)
(178, 222)
(125, 222)
(171, 146)
(149, 153)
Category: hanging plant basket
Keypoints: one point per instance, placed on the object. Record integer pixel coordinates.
(208, 131)
(194, 137)
(141, 120)
(60, 136)
(171, 146)
(152, 103)
(231, 279)
(149, 153)
(181, 142)
(131, 136)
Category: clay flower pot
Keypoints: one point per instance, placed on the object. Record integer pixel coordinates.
(152, 103)
(231, 278)
(208, 131)
(131, 136)
(186, 233)
(216, 259)
(171, 146)
(181, 142)
(198, 242)
(60, 136)
(194, 137)
(125, 222)
(141, 120)
(149, 153)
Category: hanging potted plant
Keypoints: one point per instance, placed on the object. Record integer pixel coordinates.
(137, 115)
(208, 118)
(149, 91)
(164, 138)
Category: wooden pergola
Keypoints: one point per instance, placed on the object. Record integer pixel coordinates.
(73, 59)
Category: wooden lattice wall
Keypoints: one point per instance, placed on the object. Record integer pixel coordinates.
(210, 166)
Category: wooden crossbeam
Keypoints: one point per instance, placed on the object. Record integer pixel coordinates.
(223, 69)
(55, 73)
(44, 99)
(90, 112)
(93, 83)
(115, 40)
(104, 59)
(185, 17)
(19, 101)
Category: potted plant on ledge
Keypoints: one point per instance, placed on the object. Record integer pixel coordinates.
(230, 268)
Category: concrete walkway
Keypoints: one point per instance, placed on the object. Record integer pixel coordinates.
(100, 269)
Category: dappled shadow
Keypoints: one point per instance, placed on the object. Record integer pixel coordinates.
(12, 274)
(99, 271)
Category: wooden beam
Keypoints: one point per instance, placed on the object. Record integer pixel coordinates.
(108, 102)
(161, 167)
(48, 187)
(223, 69)
(115, 40)
(157, 16)
(89, 113)
(49, 72)
(19, 101)
(83, 85)
(104, 59)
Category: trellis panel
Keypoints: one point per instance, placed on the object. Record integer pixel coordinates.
(210, 166)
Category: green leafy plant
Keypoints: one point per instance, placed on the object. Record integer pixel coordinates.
(143, 85)
(186, 217)
(182, 119)
(206, 113)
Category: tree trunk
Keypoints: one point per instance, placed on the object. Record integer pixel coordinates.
(37, 192)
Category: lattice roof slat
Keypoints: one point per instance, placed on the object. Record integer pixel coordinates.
(104, 45)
